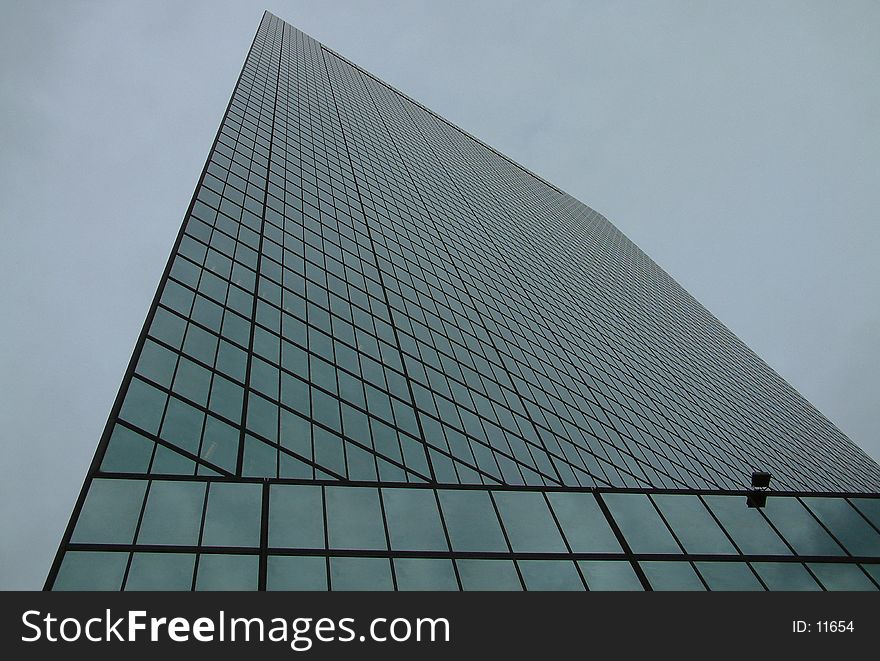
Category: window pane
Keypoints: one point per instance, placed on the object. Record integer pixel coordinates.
(676, 576)
(161, 571)
(471, 521)
(91, 570)
(847, 525)
(260, 459)
(227, 572)
(692, 524)
(168, 462)
(746, 525)
(110, 512)
(557, 575)
(127, 452)
(290, 572)
(413, 520)
(488, 575)
(354, 518)
(873, 571)
(296, 517)
(609, 575)
(583, 523)
(360, 574)
(173, 513)
(721, 576)
(785, 576)
(233, 515)
(143, 406)
(220, 445)
(425, 574)
(640, 524)
(841, 576)
(798, 526)
(528, 522)
(157, 363)
(182, 425)
(870, 507)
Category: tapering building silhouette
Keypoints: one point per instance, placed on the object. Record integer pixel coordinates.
(384, 356)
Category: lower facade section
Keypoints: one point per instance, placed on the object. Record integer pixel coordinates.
(185, 533)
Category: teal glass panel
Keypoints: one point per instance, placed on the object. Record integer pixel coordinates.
(846, 524)
(192, 381)
(296, 516)
(584, 525)
(227, 572)
(110, 512)
(220, 444)
(260, 459)
(471, 521)
(168, 327)
(799, 527)
(529, 523)
(127, 452)
(413, 520)
(173, 513)
(182, 425)
(91, 570)
(748, 528)
(693, 525)
(161, 571)
(870, 507)
(234, 514)
(262, 417)
(640, 524)
(841, 576)
(671, 576)
(609, 575)
(556, 575)
(488, 575)
(168, 462)
(157, 363)
(291, 572)
(728, 576)
(873, 571)
(372, 574)
(354, 518)
(143, 406)
(785, 576)
(424, 574)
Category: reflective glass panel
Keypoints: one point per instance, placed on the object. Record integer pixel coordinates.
(610, 575)
(471, 521)
(360, 574)
(528, 522)
(161, 571)
(692, 524)
(674, 576)
(291, 572)
(640, 524)
(233, 515)
(354, 518)
(173, 513)
(110, 512)
(413, 520)
(296, 516)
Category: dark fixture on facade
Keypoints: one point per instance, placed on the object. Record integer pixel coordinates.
(757, 496)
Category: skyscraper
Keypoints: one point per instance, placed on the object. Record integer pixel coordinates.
(384, 356)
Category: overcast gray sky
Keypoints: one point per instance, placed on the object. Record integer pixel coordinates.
(737, 143)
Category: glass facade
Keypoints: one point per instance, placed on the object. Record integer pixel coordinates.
(384, 356)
